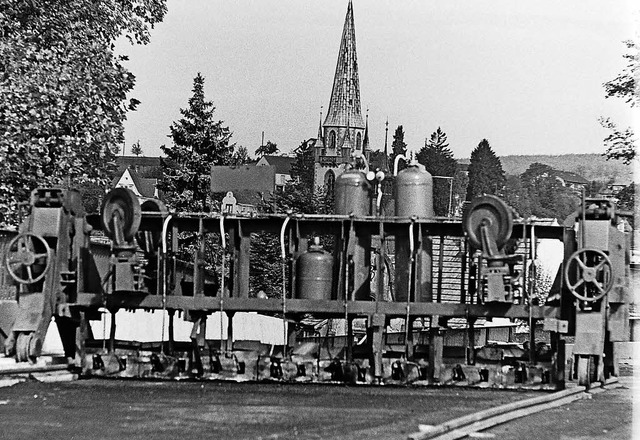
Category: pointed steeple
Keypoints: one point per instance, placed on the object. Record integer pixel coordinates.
(319, 140)
(365, 141)
(344, 106)
(385, 157)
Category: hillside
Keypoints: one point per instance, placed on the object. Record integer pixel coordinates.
(589, 166)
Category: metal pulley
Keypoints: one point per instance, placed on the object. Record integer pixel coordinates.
(28, 258)
(588, 274)
(121, 215)
(491, 214)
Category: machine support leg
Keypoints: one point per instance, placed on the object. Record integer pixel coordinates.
(409, 342)
(349, 339)
(67, 329)
(375, 334)
(436, 344)
(82, 333)
(557, 367)
(171, 338)
(112, 332)
(532, 341)
(198, 342)
(229, 342)
(471, 341)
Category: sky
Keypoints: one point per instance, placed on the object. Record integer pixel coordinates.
(525, 75)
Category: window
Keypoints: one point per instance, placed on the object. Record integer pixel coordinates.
(329, 181)
(332, 139)
(358, 141)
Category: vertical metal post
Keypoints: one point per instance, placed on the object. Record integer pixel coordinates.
(463, 272)
(440, 268)
(532, 322)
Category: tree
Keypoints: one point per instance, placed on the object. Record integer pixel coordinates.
(398, 147)
(199, 141)
(136, 149)
(240, 157)
(269, 148)
(438, 160)
(546, 196)
(303, 169)
(621, 143)
(486, 175)
(517, 196)
(64, 91)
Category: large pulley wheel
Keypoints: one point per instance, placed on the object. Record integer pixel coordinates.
(490, 212)
(28, 258)
(588, 274)
(121, 207)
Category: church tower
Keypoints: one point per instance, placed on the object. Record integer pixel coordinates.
(343, 132)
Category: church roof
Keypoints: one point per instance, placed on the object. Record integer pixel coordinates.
(344, 106)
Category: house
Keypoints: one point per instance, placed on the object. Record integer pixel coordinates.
(146, 166)
(282, 165)
(141, 186)
(140, 174)
(570, 180)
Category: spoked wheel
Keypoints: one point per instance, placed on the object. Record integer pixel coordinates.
(28, 258)
(588, 274)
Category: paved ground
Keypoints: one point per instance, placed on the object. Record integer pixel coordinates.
(607, 415)
(109, 409)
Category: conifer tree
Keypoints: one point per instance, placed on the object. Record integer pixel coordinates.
(486, 175)
(398, 146)
(199, 141)
(438, 160)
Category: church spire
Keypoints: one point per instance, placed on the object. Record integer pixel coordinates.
(320, 128)
(365, 141)
(344, 106)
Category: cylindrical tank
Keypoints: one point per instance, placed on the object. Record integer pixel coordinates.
(352, 193)
(414, 193)
(314, 276)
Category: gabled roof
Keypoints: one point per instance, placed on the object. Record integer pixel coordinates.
(570, 177)
(281, 163)
(146, 187)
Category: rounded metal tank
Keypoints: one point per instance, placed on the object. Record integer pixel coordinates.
(414, 193)
(352, 193)
(314, 277)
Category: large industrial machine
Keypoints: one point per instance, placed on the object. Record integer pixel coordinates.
(373, 267)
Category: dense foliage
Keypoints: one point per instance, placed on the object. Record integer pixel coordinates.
(486, 175)
(398, 147)
(438, 160)
(538, 192)
(199, 141)
(267, 149)
(621, 142)
(64, 91)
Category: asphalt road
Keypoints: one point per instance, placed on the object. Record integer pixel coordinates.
(110, 409)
